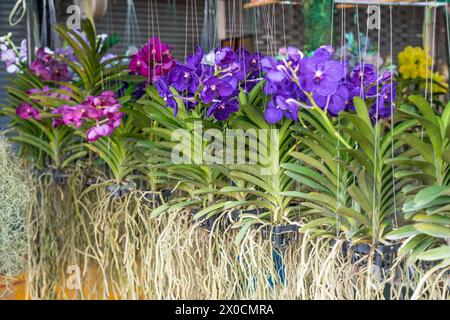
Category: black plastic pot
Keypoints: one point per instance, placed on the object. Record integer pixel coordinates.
(60, 177)
(284, 235)
(120, 190)
(204, 223)
(91, 181)
(281, 235)
(155, 199)
(384, 255)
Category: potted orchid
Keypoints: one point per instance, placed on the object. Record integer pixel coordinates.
(424, 165)
(72, 92)
(35, 90)
(200, 95)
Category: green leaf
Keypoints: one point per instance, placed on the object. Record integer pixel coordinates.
(347, 212)
(433, 230)
(429, 194)
(362, 111)
(402, 232)
(443, 252)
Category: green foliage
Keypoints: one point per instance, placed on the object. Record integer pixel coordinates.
(260, 181)
(320, 174)
(425, 166)
(350, 187)
(374, 192)
(193, 177)
(95, 75)
(41, 143)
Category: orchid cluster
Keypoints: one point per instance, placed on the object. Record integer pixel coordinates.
(12, 56)
(103, 109)
(295, 80)
(47, 67)
(416, 65)
(154, 60)
(216, 85)
(26, 111)
(63, 93)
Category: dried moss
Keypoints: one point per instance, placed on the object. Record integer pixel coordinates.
(14, 196)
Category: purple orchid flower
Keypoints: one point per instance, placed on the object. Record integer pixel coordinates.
(279, 107)
(215, 88)
(72, 116)
(292, 55)
(320, 75)
(224, 57)
(99, 131)
(384, 105)
(194, 61)
(26, 111)
(353, 92)
(223, 109)
(40, 70)
(164, 91)
(364, 74)
(183, 78)
(335, 103)
(48, 68)
(153, 61)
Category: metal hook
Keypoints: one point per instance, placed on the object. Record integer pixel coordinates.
(18, 12)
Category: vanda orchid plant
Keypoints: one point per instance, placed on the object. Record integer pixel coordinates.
(306, 139)
(347, 187)
(327, 166)
(72, 92)
(235, 94)
(35, 90)
(200, 95)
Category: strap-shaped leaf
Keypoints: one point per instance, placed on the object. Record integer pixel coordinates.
(440, 253)
(433, 230)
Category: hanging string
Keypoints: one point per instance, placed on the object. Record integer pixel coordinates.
(448, 34)
(332, 23)
(360, 58)
(131, 25)
(55, 40)
(255, 19)
(213, 13)
(233, 24)
(338, 184)
(44, 37)
(191, 23)
(158, 31)
(230, 23)
(392, 118)
(186, 30)
(274, 28)
(426, 40)
(284, 25)
(433, 40)
(375, 164)
(196, 23)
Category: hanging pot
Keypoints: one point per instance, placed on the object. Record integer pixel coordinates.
(205, 223)
(120, 190)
